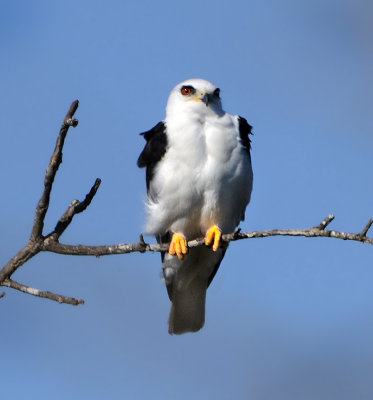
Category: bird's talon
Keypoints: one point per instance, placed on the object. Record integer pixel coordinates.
(178, 246)
(213, 236)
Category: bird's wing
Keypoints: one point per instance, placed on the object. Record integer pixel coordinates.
(154, 150)
(245, 130)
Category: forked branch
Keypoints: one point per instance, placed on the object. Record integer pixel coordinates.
(50, 242)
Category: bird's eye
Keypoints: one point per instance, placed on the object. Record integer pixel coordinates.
(217, 92)
(187, 90)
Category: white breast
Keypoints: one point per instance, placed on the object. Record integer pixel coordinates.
(204, 178)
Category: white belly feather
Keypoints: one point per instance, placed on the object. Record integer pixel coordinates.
(204, 179)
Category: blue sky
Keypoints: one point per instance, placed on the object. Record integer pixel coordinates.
(287, 318)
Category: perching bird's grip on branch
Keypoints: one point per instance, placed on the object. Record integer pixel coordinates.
(39, 241)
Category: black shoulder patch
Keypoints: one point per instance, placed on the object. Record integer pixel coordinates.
(245, 130)
(154, 150)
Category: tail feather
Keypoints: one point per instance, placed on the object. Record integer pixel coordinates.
(187, 281)
(188, 308)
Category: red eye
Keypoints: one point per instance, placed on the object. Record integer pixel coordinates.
(187, 90)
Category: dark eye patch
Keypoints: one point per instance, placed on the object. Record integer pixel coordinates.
(217, 92)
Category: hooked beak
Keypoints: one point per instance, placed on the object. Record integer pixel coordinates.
(205, 98)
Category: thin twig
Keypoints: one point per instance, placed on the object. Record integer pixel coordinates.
(39, 293)
(75, 207)
(325, 222)
(366, 229)
(55, 162)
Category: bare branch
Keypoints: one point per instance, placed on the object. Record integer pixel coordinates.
(37, 240)
(75, 207)
(50, 243)
(38, 293)
(366, 229)
(105, 250)
(34, 247)
(312, 232)
(55, 162)
(319, 231)
(325, 222)
(19, 259)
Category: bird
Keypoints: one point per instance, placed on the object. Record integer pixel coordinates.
(199, 180)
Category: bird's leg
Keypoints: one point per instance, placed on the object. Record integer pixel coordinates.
(213, 236)
(178, 245)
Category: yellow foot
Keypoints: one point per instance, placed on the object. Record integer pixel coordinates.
(213, 236)
(178, 245)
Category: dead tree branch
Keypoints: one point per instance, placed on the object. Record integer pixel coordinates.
(39, 293)
(37, 240)
(98, 251)
(50, 242)
(55, 162)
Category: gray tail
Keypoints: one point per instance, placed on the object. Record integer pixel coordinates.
(187, 281)
(188, 308)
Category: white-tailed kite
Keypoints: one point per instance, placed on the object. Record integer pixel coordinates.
(199, 181)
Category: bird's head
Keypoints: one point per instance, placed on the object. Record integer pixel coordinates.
(196, 95)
